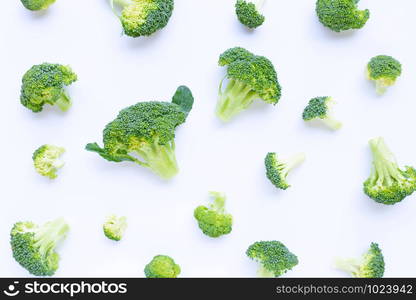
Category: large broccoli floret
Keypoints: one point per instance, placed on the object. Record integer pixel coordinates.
(46, 160)
(248, 13)
(44, 84)
(34, 246)
(114, 227)
(147, 130)
(162, 266)
(143, 17)
(383, 70)
(370, 265)
(274, 258)
(340, 15)
(249, 77)
(277, 169)
(320, 108)
(37, 4)
(388, 183)
(213, 220)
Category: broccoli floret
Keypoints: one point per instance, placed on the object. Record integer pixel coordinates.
(34, 246)
(274, 258)
(320, 108)
(44, 84)
(248, 13)
(213, 220)
(143, 17)
(46, 160)
(147, 129)
(114, 227)
(37, 4)
(370, 265)
(388, 183)
(249, 77)
(278, 169)
(162, 266)
(383, 70)
(340, 15)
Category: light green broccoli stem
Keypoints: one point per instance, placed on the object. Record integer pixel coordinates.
(332, 123)
(259, 4)
(64, 102)
(349, 265)
(292, 162)
(263, 272)
(50, 234)
(120, 3)
(219, 201)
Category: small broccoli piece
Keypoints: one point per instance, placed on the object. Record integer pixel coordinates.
(278, 169)
(388, 183)
(162, 266)
(249, 77)
(37, 4)
(370, 265)
(114, 227)
(44, 84)
(340, 15)
(274, 258)
(46, 160)
(320, 108)
(383, 70)
(34, 246)
(147, 129)
(248, 13)
(143, 17)
(213, 220)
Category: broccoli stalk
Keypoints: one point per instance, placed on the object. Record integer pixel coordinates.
(278, 169)
(320, 109)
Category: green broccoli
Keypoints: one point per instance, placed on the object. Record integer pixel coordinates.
(46, 160)
(370, 265)
(114, 227)
(249, 77)
(248, 13)
(383, 70)
(143, 17)
(147, 129)
(162, 266)
(320, 109)
(340, 15)
(213, 220)
(34, 246)
(37, 4)
(274, 258)
(44, 84)
(278, 169)
(388, 183)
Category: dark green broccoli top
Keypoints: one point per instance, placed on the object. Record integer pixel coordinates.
(383, 66)
(248, 14)
(316, 108)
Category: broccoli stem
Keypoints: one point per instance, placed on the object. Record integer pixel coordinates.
(121, 3)
(263, 272)
(259, 4)
(64, 102)
(50, 234)
(219, 201)
(381, 87)
(332, 123)
(293, 162)
(350, 266)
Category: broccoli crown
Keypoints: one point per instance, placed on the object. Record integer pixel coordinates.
(114, 227)
(46, 160)
(44, 84)
(162, 266)
(274, 258)
(37, 4)
(388, 183)
(278, 169)
(212, 220)
(384, 70)
(34, 246)
(319, 108)
(248, 14)
(340, 15)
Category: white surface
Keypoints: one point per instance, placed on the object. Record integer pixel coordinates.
(323, 215)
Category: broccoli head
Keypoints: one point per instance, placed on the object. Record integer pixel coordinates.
(248, 13)
(278, 169)
(370, 265)
(388, 183)
(46, 160)
(37, 4)
(340, 15)
(162, 266)
(147, 130)
(320, 108)
(383, 70)
(143, 17)
(213, 220)
(34, 246)
(114, 227)
(274, 258)
(249, 77)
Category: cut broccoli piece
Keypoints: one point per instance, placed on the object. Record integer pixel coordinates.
(248, 13)
(162, 266)
(143, 17)
(388, 183)
(34, 246)
(370, 265)
(383, 70)
(340, 15)
(249, 77)
(46, 160)
(320, 108)
(114, 227)
(274, 258)
(213, 220)
(37, 4)
(147, 130)
(278, 169)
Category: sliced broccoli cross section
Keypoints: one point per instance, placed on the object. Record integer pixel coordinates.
(46, 160)
(114, 227)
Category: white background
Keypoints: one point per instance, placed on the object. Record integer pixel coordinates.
(323, 215)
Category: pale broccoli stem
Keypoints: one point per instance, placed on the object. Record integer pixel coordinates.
(64, 102)
(263, 272)
(219, 202)
(292, 162)
(49, 235)
(120, 3)
(349, 265)
(259, 4)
